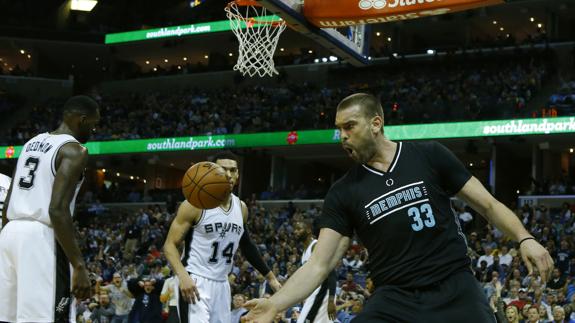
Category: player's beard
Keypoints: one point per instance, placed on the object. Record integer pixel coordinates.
(365, 154)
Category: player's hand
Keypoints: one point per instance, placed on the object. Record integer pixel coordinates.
(331, 310)
(189, 290)
(534, 253)
(81, 286)
(275, 284)
(262, 310)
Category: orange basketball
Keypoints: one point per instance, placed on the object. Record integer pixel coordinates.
(205, 185)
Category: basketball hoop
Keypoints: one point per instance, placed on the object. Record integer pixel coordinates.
(258, 36)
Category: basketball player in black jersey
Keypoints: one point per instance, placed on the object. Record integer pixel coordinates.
(397, 200)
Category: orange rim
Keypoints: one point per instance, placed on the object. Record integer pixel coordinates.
(243, 3)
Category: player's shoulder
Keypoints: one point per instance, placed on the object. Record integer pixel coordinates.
(342, 185)
(188, 212)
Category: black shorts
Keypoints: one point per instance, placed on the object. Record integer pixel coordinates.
(458, 298)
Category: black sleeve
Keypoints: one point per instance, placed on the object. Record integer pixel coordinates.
(250, 251)
(334, 213)
(134, 288)
(158, 287)
(332, 283)
(451, 171)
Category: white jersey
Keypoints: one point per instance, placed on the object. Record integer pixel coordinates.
(34, 178)
(315, 306)
(4, 186)
(212, 243)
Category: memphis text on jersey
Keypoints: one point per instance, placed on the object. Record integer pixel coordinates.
(396, 200)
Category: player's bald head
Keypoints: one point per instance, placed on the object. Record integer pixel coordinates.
(81, 105)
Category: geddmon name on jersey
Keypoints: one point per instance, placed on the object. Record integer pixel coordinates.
(41, 146)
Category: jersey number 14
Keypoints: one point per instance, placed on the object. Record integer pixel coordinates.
(227, 253)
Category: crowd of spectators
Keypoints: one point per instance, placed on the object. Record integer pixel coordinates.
(460, 90)
(564, 99)
(131, 276)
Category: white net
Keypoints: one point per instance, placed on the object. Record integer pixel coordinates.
(258, 36)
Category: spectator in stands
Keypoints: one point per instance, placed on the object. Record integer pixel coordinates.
(533, 315)
(512, 314)
(168, 296)
(557, 281)
(558, 314)
(349, 285)
(238, 310)
(120, 297)
(103, 311)
(147, 308)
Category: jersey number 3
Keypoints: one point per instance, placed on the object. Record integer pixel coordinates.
(26, 182)
(416, 214)
(228, 253)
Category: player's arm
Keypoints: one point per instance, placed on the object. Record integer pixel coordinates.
(70, 164)
(186, 217)
(330, 247)
(250, 251)
(474, 194)
(7, 200)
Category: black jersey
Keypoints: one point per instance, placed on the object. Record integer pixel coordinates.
(404, 216)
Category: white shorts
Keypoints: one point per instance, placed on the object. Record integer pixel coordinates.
(34, 275)
(214, 304)
(317, 313)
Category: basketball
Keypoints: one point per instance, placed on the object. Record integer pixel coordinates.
(205, 185)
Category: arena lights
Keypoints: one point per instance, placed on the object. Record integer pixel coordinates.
(310, 51)
(333, 59)
(185, 58)
(83, 5)
(165, 60)
(147, 62)
(495, 22)
(378, 34)
(282, 49)
(532, 19)
(324, 59)
(206, 56)
(571, 150)
(388, 38)
(431, 51)
(103, 170)
(539, 25)
(22, 51)
(502, 29)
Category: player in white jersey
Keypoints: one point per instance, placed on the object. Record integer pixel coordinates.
(211, 239)
(319, 307)
(4, 186)
(38, 244)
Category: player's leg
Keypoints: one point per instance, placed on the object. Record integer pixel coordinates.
(8, 274)
(221, 302)
(199, 312)
(459, 299)
(38, 277)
